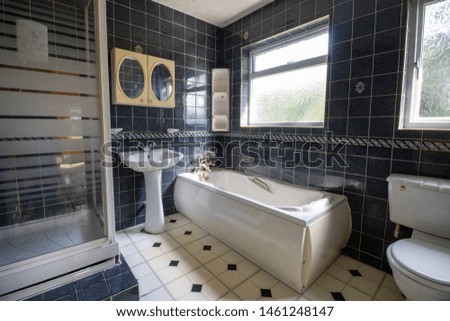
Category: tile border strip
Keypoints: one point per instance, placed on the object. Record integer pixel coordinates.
(437, 146)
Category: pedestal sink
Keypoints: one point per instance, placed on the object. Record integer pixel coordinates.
(151, 162)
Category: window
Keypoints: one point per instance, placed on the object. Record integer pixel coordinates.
(426, 83)
(284, 78)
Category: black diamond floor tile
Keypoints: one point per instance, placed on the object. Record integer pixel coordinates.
(188, 233)
(232, 267)
(266, 293)
(172, 221)
(174, 263)
(196, 288)
(355, 272)
(207, 248)
(157, 244)
(337, 296)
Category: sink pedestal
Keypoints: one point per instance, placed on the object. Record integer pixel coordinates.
(154, 211)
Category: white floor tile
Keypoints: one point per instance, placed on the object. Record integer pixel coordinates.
(264, 280)
(316, 293)
(363, 284)
(214, 289)
(134, 259)
(188, 264)
(217, 266)
(231, 278)
(169, 273)
(230, 296)
(247, 268)
(199, 276)
(180, 287)
(148, 284)
(330, 283)
(386, 294)
(352, 294)
(248, 291)
(141, 270)
(339, 273)
(284, 293)
(160, 294)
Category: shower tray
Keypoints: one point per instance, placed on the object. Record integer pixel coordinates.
(34, 239)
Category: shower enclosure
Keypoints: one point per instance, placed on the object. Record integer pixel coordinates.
(56, 223)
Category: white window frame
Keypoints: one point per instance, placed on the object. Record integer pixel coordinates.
(248, 66)
(412, 74)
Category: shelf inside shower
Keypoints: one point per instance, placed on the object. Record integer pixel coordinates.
(34, 239)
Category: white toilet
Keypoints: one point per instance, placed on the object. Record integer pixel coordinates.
(421, 264)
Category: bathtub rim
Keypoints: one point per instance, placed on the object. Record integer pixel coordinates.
(337, 199)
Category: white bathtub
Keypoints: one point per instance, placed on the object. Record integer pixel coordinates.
(291, 232)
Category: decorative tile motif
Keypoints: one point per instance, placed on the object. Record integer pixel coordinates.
(360, 87)
(157, 244)
(188, 233)
(207, 248)
(172, 221)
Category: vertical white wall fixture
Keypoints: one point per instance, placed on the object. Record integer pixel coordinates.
(220, 100)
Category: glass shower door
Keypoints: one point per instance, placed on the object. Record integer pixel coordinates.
(50, 136)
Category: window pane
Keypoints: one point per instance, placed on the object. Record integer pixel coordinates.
(435, 93)
(293, 96)
(291, 52)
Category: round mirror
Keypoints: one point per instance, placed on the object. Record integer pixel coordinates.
(131, 77)
(161, 80)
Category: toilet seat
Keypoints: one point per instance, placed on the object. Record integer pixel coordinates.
(422, 260)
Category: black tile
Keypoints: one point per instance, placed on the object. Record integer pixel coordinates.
(342, 32)
(342, 12)
(341, 51)
(196, 288)
(362, 46)
(121, 282)
(156, 244)
(131, 294)
(363, 26)
(266, 293)
(355, 273)
(95, 293)
(174, 263)
(188, 233)
(337, 296)
(172, 221)
(363, 7)
(386, 63)
(89, 281)
(207, 248)
(232, 267)
(60, 292)
(388, 19)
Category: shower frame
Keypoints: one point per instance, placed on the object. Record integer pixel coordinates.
(32, 276)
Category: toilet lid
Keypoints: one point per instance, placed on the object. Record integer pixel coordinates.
(428, 260)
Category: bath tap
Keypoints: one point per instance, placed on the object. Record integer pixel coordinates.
(204, 166)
